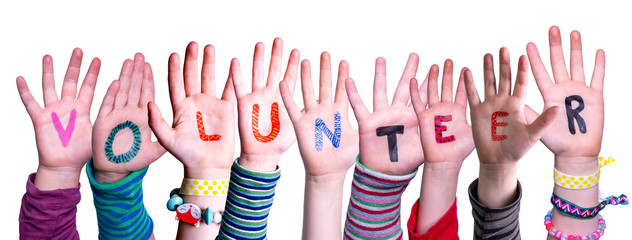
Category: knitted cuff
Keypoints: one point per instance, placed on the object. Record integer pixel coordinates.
(495, 223)
(121, 213)
(250, 197)
(375, 204)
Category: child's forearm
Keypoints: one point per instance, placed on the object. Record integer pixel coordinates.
(497, 183)
(438, 193)
(323, 206)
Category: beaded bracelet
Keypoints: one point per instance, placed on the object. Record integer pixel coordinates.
(570, 209)
(557, 234)
(189, 212)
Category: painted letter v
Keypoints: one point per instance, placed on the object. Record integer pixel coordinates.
(65, 134)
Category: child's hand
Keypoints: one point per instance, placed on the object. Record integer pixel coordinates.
(265, 128)
(576, 132)
(328, 146)
(121, 130)
(335, 150)
(453, 143)
(501, 132)
(63, 129)
(203, 134)
(389, 137)
(446, 139)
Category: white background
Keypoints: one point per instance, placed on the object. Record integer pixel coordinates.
(355, 31)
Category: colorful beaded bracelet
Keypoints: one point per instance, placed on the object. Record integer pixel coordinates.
(189, 212)
(557, 234)
(570, 209)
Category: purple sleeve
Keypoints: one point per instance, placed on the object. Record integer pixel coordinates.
(49, 214)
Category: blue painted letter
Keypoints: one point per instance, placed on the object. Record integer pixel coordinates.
(322, 128)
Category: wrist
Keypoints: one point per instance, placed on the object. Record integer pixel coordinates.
(450, 168)
(497, 184)
(498, 172)
(206, 172)
(259, 162)
(327, 181)
(577, 165)
(108, 177)
(48, 178)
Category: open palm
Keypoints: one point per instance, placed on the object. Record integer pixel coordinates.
(265, 129)
(69, 143)
(192, 103)
(374, 149)
(559, 138)
(125, 108)
(456, 142)
(513, 135)
(320, 155)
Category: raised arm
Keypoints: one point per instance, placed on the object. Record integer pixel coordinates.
(328, 146)
(202, 137)
(576, 132)
(502, 135)
(390, 153)
(63, 132)
(123, 150)
(265, 132)
(446, 138)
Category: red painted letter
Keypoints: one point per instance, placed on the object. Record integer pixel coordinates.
(498, 124)
(439, 129)
(274, 118)
(202, 132)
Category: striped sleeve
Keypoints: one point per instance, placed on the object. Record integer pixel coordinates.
(121, 213)
(250, 197)
(374, 206)
(495, 223)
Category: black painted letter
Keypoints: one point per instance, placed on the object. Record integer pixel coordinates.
(574, 114)
(391, 133)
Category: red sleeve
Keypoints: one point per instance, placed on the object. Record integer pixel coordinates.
(446, 228)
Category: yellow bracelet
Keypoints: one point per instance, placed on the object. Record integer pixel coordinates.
(202, 187)
(575, 182)
(580, 182)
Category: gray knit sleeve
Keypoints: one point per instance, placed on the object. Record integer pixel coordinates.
(495, 223)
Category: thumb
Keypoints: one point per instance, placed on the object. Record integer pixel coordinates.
(530, 114)
(159, 126)
(542, 122)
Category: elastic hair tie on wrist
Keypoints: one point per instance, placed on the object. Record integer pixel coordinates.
(191, 213)
(203, 187)
(557, 234)
(580, 182)
(568, 208)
